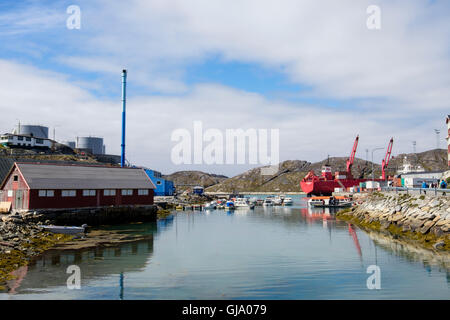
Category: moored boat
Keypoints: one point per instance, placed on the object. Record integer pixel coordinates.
(330, 202)
(268, 202)
(64, 229)
(287, 201)
(242, 203)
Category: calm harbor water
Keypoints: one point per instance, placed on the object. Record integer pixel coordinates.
(266, 253)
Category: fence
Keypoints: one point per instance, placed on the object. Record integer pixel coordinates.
(426, 191)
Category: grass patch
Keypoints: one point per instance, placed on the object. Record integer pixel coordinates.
(17, 258)
(425, 240)
(163, 213)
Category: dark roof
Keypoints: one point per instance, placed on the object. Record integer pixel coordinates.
(48, 176)
(5, 165)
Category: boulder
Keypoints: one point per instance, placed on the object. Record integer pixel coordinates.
(439, 245)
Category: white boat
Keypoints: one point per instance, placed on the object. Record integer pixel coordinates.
(241, 203)
(330, 202)
(268, 202)
(278, 201)
(64, 229)
(211, 205)
(288, 201)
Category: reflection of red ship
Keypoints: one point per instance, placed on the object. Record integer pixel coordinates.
(327, 182)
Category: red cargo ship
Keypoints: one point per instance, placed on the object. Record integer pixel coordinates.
(327, 182)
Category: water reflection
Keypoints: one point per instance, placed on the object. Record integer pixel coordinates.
(49, 270)
(269, 252)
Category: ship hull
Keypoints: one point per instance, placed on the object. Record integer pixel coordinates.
(326, 187)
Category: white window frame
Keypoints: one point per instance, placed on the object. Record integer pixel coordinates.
(89, 193)
(10, 193)
(127, 192)
(143, 192)
(68, 193)
(109, 192)
(46, 193)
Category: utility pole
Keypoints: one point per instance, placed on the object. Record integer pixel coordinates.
(124, 86)
(375, 149)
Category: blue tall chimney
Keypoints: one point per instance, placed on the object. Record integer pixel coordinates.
(124, 98)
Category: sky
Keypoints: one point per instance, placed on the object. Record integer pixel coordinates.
(311, 69)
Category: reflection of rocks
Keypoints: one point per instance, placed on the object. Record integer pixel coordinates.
(425, 219)
(109, 259)
(410, 251)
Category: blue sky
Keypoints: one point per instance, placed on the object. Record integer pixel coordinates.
(319, 76)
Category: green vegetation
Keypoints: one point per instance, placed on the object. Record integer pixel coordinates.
(17, 258)
(426, 240)
(163, 213)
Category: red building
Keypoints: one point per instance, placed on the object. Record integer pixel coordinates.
(31, 186)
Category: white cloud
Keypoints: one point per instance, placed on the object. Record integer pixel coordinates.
(323, 44)
(306, 132)
(396, 80)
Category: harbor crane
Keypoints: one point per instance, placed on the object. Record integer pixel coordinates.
(385, 162)
(352, 157)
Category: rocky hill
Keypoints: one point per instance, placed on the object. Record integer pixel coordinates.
(186, 179)
(289, 174)
(431, 160)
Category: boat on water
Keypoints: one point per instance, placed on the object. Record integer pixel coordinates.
(287, 201)
(242, 203)
(277, 201)
(211, 205)
(326, 184)
(268, 202)
(64, 229)
(259, 202)
(330, 202)
(229, 205)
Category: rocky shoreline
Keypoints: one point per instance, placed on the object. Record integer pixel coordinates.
(20, 242)
(420, 219)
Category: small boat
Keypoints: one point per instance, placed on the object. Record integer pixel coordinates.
(288, 201)
(179, 208)
(64, 229)
(268, 202)
(229, 205)
(211, 206)
(330, 202)
(241, 203)
(278, 201)
(259, 202)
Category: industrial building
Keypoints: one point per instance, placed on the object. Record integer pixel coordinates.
(30, 186)
(163, 187)
(37, 131)
(92, 145)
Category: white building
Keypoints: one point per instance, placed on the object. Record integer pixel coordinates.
(415, 179)
(17, 140)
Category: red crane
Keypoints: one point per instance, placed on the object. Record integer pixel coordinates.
(385, 162)
(352, 157)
